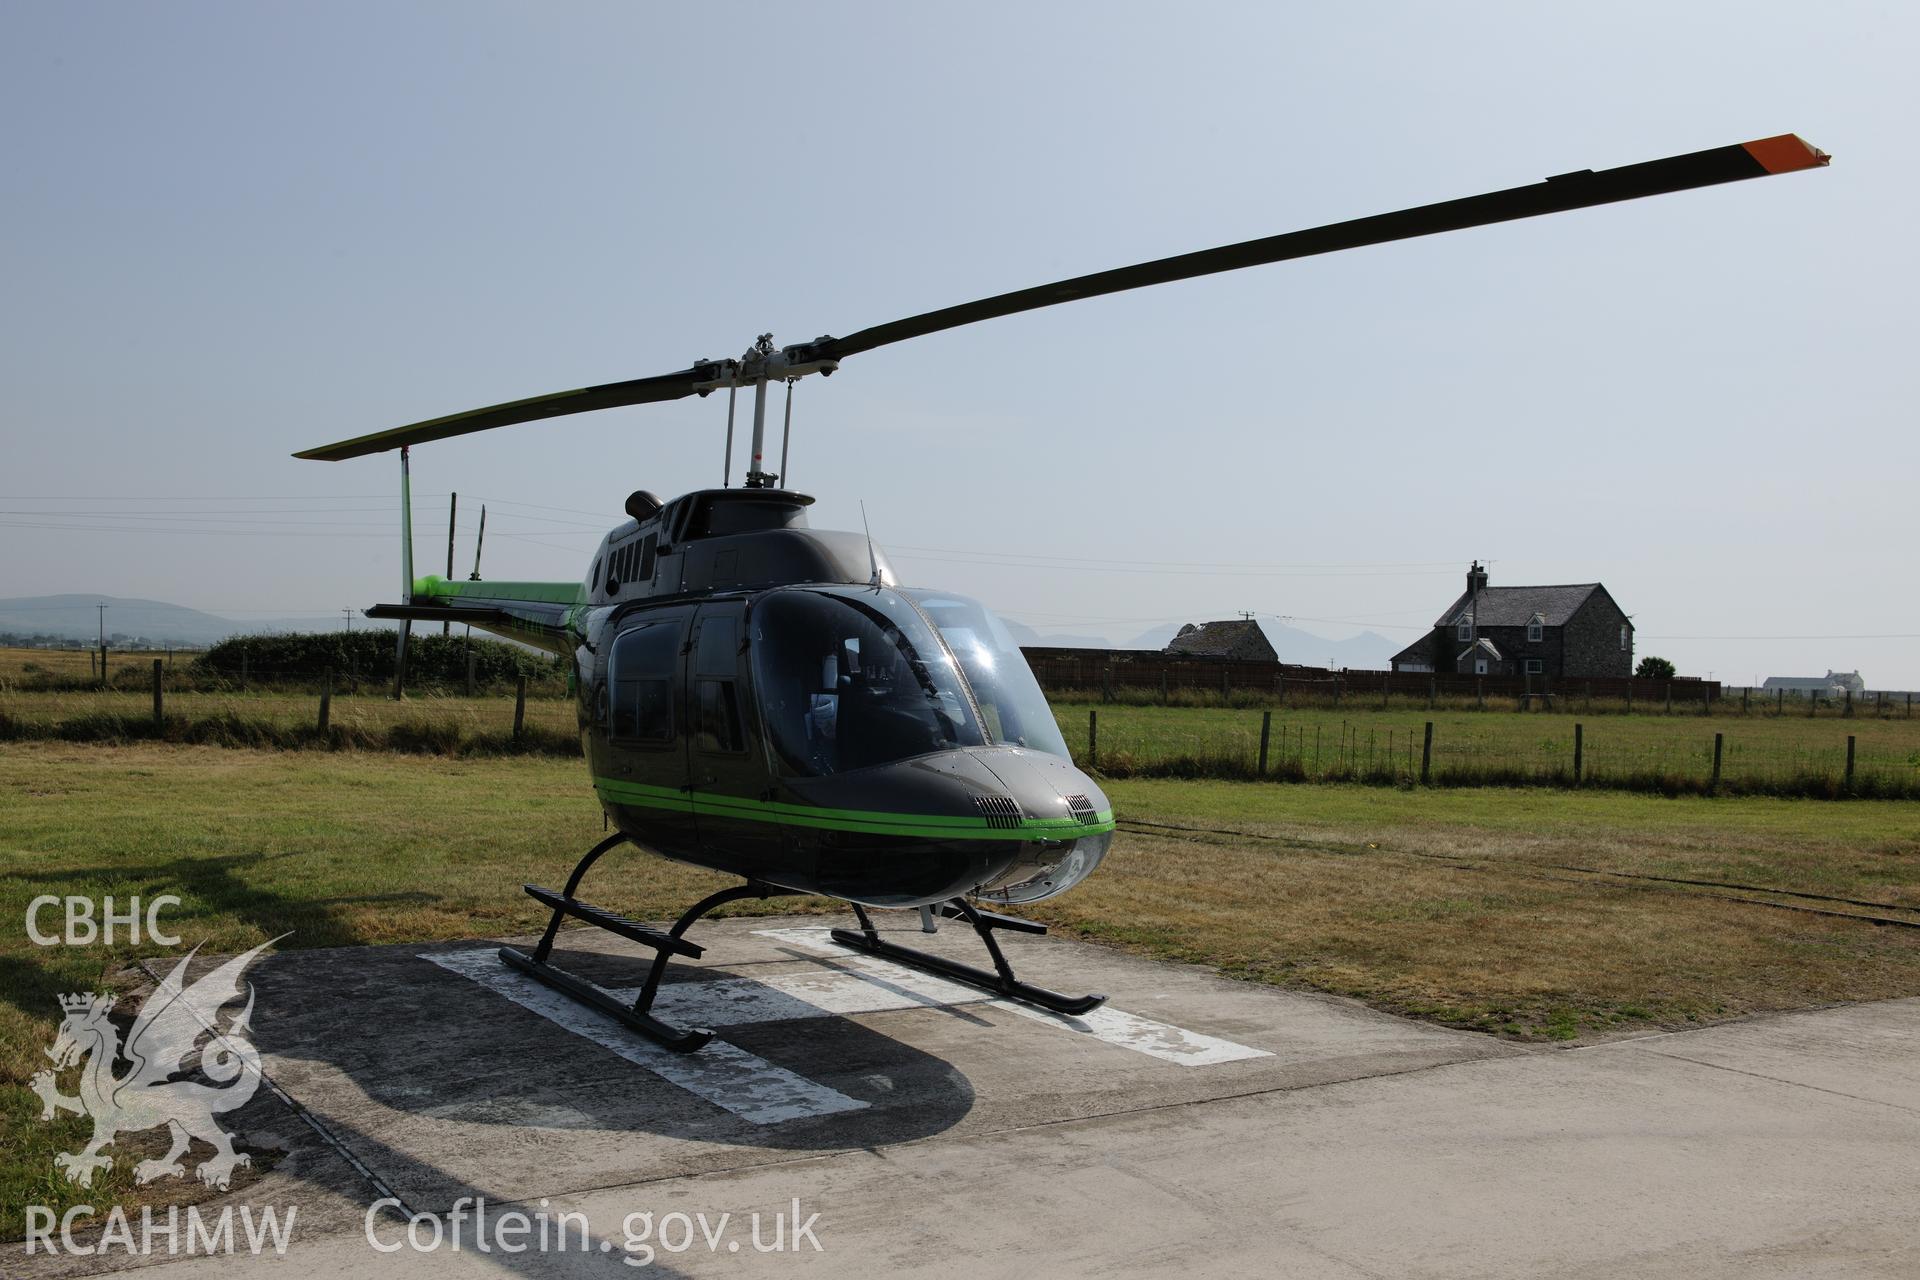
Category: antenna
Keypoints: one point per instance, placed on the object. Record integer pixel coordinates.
(872, 561)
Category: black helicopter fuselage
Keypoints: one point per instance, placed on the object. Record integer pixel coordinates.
(758, 698)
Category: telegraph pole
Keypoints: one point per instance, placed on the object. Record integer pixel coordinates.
(453, 506)
(348, 615)
(103, 644)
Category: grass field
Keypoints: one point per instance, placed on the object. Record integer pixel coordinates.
(1760, 752)
(1533, 913)
(1791, 754)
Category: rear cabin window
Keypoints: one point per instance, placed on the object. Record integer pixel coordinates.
(640, 682)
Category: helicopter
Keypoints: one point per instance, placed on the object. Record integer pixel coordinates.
(767, 700)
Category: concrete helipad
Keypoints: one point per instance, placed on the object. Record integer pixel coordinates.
(1193, 1123)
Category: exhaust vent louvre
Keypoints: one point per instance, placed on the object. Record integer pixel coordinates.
(999, 811)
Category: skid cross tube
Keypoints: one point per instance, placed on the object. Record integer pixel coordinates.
(1000, 982)
(638, 1015)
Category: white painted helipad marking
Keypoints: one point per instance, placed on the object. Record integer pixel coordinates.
(733, 1002)
(726, 1075)
(1112, 1026)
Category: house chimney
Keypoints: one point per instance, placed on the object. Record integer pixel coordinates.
(1476, 579)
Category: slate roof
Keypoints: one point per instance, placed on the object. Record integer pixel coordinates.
(1515, 606)
(1420, 650)
(1219, 639)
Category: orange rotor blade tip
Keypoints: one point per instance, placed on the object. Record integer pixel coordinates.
(1786, 153)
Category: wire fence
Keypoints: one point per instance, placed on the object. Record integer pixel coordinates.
(1875, 752)
(1675, 756)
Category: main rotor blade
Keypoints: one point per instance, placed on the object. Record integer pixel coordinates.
(610, 395)
(1783, 154)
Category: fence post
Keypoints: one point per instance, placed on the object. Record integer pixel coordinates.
(159, 710)
(1433, 692)
(1849, 762)
(469, 673)
(1480, 692)
(1426, 755)
(1909, 706)
(1280, 693)
(326, 702)
(1669, 697)
(1266, 727)
(1629, 695)
(1093, 736)
(1714, 784)
(1849, 711)
(1746, 700)
(1579, 751)
(519, 706)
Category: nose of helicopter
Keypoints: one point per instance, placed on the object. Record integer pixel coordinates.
(1014, 825)
(1065, 821)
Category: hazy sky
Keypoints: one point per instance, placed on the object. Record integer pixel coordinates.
(233, 231)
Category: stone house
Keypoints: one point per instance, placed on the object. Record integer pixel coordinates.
(1242, 641)
(1554, 632)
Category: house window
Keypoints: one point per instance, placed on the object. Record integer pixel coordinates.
(1536, 629)
(1626, 644)
(1463, 628)
(1533, 666)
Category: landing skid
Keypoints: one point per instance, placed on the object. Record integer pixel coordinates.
(1000, 981)
(636, 1016)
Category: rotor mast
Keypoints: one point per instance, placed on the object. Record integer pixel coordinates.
(761, 365)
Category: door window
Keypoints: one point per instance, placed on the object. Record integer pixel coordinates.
(716, 660)
(640, 682)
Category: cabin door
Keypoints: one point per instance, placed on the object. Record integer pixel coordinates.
(727, 766)
(645, 718)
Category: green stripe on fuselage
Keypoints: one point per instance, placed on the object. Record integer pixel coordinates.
(867, 821)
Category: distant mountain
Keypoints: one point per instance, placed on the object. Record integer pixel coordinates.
(1154, 639)
(1368, 650)
(76, 617)
(1027, 638)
